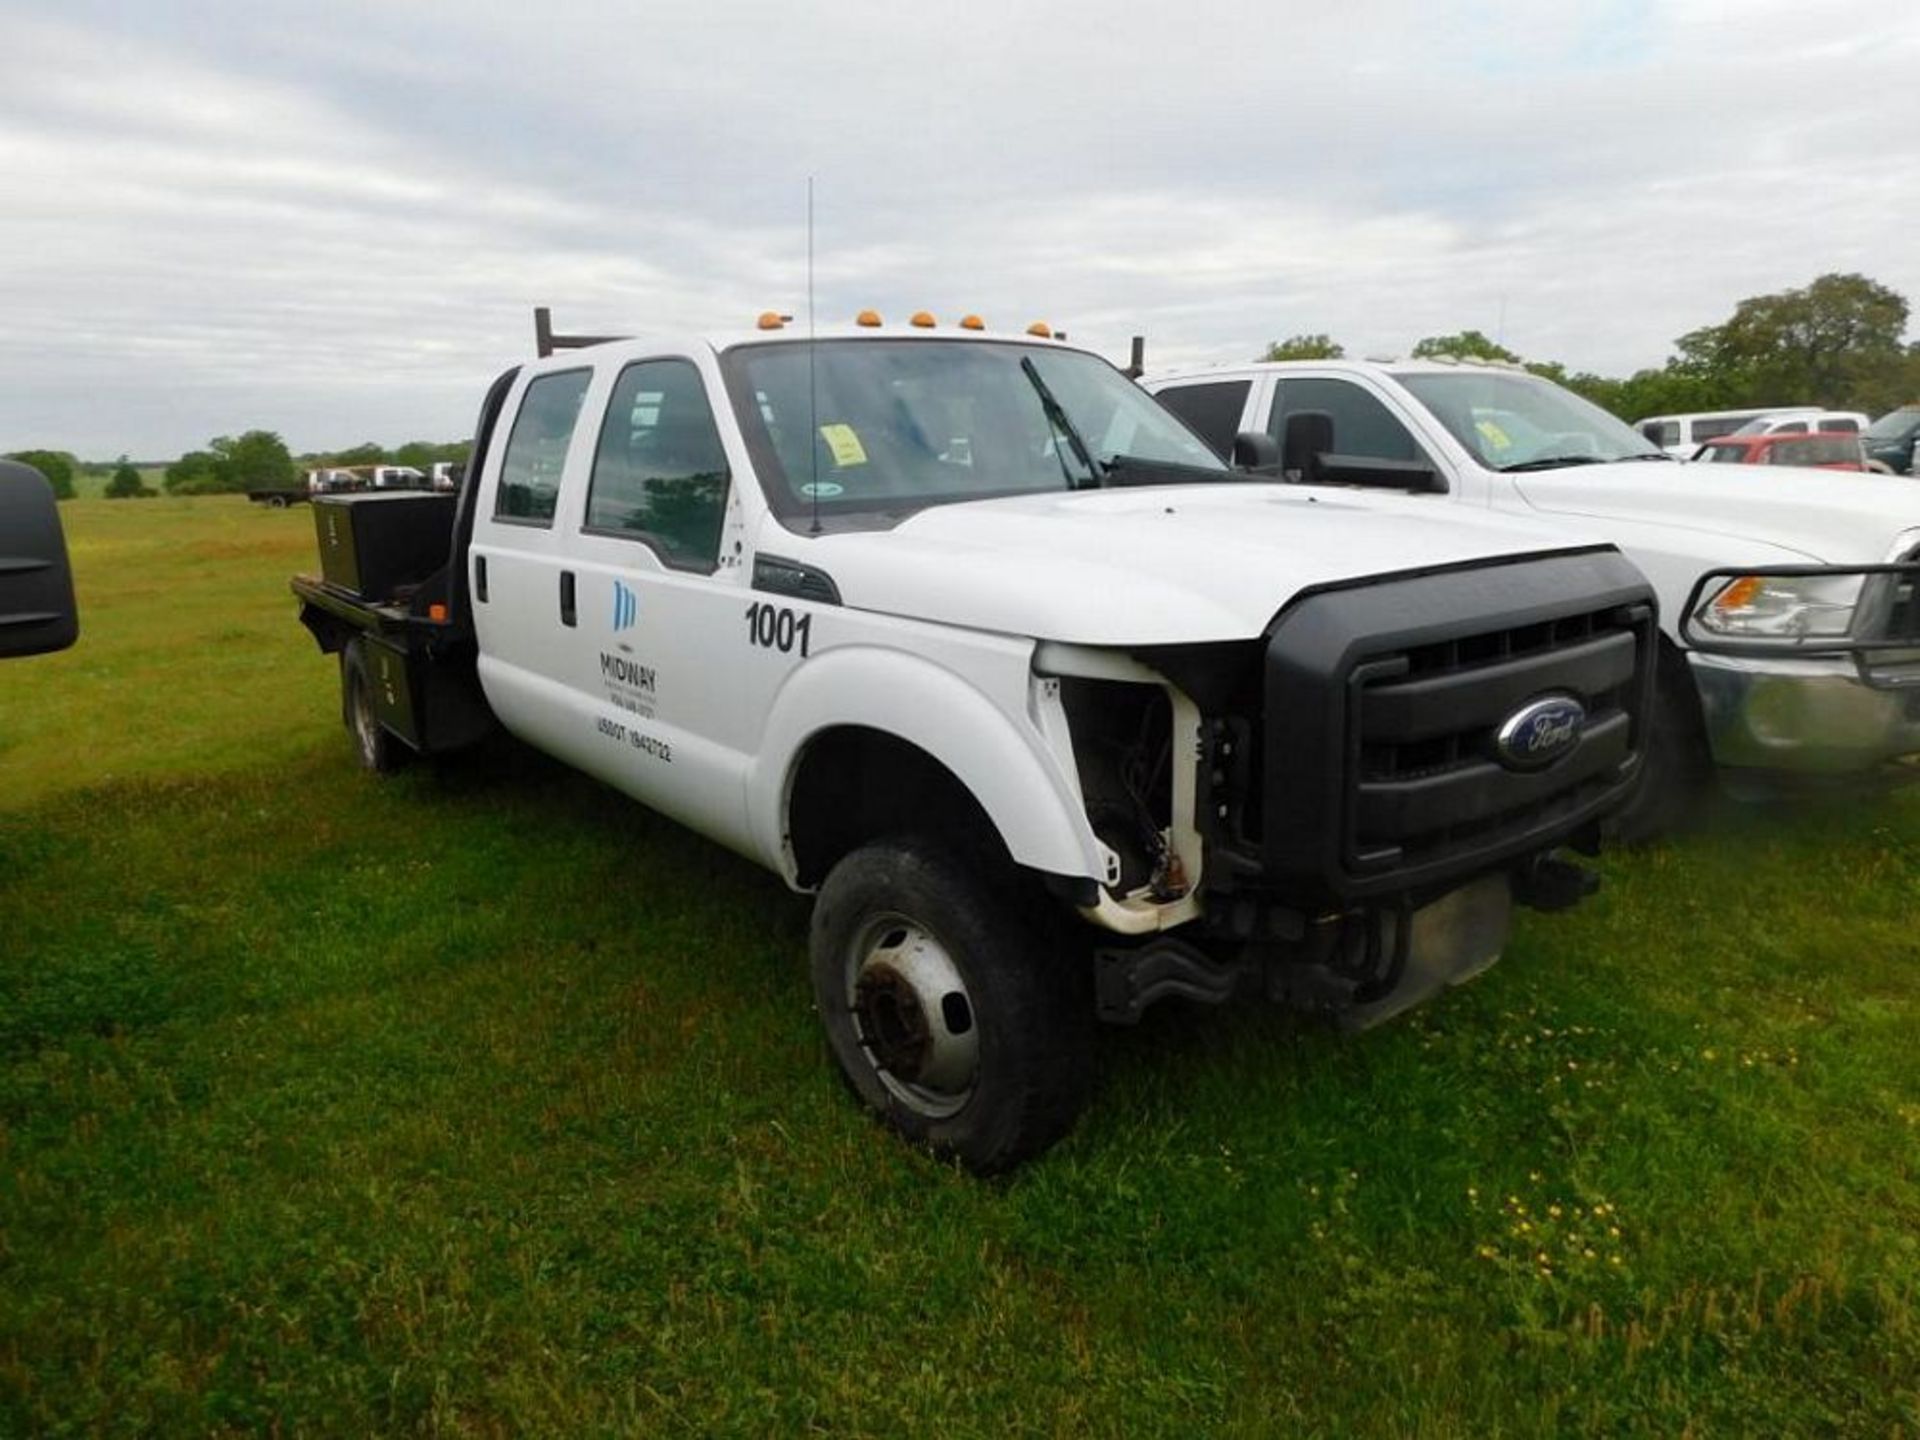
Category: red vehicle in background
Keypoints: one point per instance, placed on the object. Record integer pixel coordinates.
(1822, 450)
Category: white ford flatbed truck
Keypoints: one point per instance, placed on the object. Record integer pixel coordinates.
(1057, 714)
(1789, 602)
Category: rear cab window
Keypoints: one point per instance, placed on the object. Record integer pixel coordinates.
(1213, 410)
(536, 453)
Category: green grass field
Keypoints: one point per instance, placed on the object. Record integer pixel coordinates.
(480, 1101)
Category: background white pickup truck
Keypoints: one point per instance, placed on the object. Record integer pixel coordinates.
(973, 638)
(1769, 672)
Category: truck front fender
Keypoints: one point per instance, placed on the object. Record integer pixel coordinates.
(1001, 759)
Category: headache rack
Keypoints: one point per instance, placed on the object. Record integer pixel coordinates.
(546, 341)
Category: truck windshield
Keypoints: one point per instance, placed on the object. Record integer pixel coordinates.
(893, 426)
(1521, 422)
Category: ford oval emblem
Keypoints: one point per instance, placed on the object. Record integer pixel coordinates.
(1539, 732)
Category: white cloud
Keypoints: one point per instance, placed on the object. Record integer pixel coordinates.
(334, 223)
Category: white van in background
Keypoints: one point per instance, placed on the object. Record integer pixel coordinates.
(1805, 422)
(1681, 435)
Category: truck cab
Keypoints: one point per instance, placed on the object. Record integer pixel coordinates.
(1790, 648)
(1055, 713)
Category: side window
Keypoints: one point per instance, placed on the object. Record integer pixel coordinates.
(537, 448)
(1212, 409)
(1662, 432)
(1842, 424)
(1361, 424)
(1792, 427)
(659, 474)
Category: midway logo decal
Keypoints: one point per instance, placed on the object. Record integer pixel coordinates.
(626, 607)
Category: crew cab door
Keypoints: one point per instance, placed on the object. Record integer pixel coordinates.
(612, 605)
(523, 611)
(662, 587)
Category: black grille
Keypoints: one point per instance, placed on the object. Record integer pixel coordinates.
(1429, 783)
(1382, 700)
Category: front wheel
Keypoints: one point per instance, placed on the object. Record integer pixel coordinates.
(948, 1016)
(1676, 777)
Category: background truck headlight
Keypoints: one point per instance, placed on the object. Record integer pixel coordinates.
(1782, 607)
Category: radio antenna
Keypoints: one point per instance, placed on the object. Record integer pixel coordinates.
(813, 389)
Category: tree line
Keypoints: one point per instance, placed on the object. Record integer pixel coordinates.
(1834, 343)
(260, 460)
(254, 460)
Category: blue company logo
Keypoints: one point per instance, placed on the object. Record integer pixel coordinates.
(626, 607)
(1539, 732)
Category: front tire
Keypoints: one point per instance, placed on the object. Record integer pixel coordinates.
(1676, 778)
(948, 1016)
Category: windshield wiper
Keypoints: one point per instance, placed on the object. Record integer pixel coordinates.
(1126, 469)
(1057, 417)
(1549, 462)
(1653, 455)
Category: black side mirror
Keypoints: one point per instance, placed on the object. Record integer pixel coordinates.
(1309, 453)
(1256, 451)
(1309, 436)
(37, 613)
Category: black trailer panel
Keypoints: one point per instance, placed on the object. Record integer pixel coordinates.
(394, 586)
(422, 673)
(392, 678)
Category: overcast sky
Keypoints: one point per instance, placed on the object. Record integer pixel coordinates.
(333, 220)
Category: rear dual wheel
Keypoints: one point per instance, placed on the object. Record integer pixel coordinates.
(948, 1014)
(374, 745)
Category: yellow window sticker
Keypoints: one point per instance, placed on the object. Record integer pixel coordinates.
(845, 445)
(1495, 436)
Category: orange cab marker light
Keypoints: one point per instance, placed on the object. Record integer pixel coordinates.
(923, 319)
(972, 322)
(437, 613)
(1041, 328)
(868, 318)
(772, 320)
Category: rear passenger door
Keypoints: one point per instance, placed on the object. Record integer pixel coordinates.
(517, 560)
